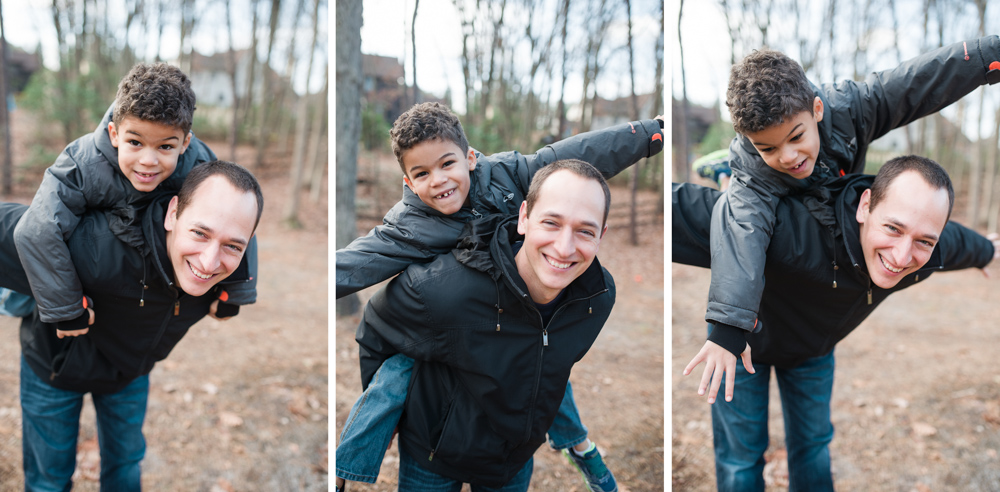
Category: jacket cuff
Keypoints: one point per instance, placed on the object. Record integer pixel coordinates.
(78, 323)
(225, 310)
(728, 337)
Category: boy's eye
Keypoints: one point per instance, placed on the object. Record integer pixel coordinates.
(766, 150)
(134, 143)
(447, 163)
(166, 147)
(797, 137)
(420, 174)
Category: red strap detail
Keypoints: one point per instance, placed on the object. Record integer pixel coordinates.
(657, 136)
(85, 306)
(842, 172)
(995, 65)
(224, 296)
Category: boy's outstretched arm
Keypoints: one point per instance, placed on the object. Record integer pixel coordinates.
(407, 235)
(610, 150)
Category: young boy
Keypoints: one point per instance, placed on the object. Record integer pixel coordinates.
(793, 136)
(143, 143)
(447, 184)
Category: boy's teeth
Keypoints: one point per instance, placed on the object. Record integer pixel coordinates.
(445, 195)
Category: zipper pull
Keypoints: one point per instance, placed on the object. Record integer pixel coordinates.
(869, 297)
(431, 457)
(177, 308)
(545, 337)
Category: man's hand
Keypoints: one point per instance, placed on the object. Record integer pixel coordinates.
(76, 333)
(995, 238)
(718, 361)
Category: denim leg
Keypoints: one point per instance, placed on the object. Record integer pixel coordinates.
(15, 304)
(567, 429)
(805, 401)
(373, 417)
(739, 430)
(119, 433)
(415, 478)
(50, 424)
(519, 483)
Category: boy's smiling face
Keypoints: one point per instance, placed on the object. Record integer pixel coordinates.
(792, 146)
(147, 151)
(438, 172)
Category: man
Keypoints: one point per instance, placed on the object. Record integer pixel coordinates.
(832, 261)
(150, 282)
(495, 328)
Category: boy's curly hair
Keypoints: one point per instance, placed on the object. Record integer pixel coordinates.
(426, 121)
(764, 88)
(159, 93)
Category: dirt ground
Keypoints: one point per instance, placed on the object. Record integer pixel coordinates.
(239, 405)
(916, 399)
(618, 385)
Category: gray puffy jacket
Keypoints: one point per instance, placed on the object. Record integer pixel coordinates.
(413, 232)
(86, 176)
(855, 113)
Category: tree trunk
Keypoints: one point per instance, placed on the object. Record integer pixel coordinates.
(285, 126)
(634, 176)
(234, 123)
(301, 134)
(7, 164)
(562, 85)
(413, 50)
(317, 162)
(263, 116)
(348, 118)
(681, 167)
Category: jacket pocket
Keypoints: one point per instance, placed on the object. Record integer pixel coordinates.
(467, 440)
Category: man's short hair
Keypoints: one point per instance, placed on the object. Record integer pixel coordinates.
(158, 93)
(578, 167)
(931, 171)
(423, 122)
(765, 88)
(238, 176)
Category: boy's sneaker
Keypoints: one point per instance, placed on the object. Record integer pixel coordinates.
(592, 468)
(713, 166)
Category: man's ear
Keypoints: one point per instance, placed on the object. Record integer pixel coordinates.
(522, 218)
(170, 222)
(818, 109)
(864, 206)
(113, 133)
(472, 159)
(603, 231)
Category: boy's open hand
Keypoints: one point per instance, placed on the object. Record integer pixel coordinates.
(718, 361)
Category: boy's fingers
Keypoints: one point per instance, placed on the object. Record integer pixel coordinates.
(716, 382)
(694, 363)
(730, 380)
(706, 377)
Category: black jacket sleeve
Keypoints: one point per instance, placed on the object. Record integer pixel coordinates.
(962, 248)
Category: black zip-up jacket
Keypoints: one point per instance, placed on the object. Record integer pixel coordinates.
(488, 377)
(86, 176)
(854, 114)
(141, 313)
(413, 232)
(803, 314)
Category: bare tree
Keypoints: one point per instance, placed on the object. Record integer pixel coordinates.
(6, 165)
(681, 166)
(234, 124)
(317, 162)
(634, 176)
(413, 46)
(263, 115)
(564, 68)
(348, 120)
(301, 132)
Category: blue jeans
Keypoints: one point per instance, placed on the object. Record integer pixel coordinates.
(415, 478)
(51, 424)
(373, 417)
(740, 427)
(15, 304)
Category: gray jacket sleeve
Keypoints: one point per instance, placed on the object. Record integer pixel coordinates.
(406, 236)
(41, 236)
(855, 114)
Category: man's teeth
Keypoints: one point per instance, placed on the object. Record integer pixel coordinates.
(198, 274)
(887, 267)
(445, 195)
(557, 264)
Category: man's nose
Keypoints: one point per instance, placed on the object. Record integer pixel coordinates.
(563, 243)
(210, 257)
(902, 253)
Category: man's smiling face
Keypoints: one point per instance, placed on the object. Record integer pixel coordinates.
(898, 235)
(207, 239)
(562, 233)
